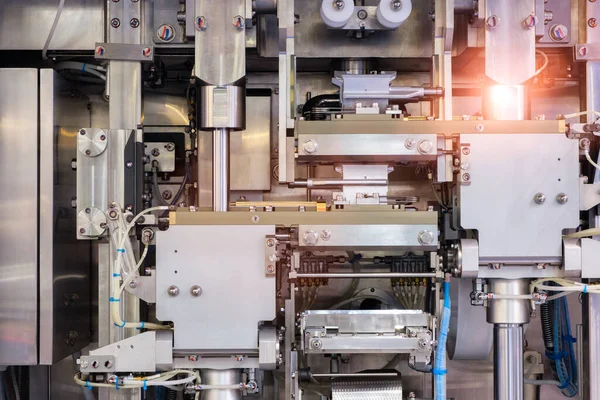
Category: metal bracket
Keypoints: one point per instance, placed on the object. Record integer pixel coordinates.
(143, 287)
(124, 52)
(589, 195)
(271, 256)
(464, 164)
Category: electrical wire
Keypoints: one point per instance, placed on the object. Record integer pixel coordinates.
(544, 65)
(589, 159)
(541, 382)
(59, 11)
(136, 383)
(579, 114)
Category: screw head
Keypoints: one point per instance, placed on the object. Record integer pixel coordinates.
(133, 284)
(562, 198)
(167, 195)
(396, 5)
(492, 21)
(82, 132)
(466, 177)
(270, 269)
(362, 14)
(558, 32)
(310, 238)
(173, 291)
(88, 152)
(115, 23)
(422, 343)
(146, 51)
(479, 128)
(270, 242)
(201, 23)
(84, 364)
(530, 21)
(255, 219)
(582, 51)
(316, 344)
(466, 151)
(410, 143)
(539, 198)
(134, 23)
(129, 164)
(425, 146)
(325, 234)
(238, 22)
(196, 291)
(425, 237)
(310, 146)
(592, 22)
(339, 4)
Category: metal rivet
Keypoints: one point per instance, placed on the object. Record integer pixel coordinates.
(425, 237)
(134, 23)
(173, 291)
(539, 198)
(196, 291)
(562, 198)
(115, 22)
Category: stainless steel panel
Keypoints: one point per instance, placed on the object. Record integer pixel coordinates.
(364, 321)
(64, 263)
(508, 36)
(220, 45)
(25, 24)
(19, 225)
(222, 260)
(251, 149)
(506, 172)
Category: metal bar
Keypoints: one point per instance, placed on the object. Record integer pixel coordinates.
(322, 183)
(358, 374)
(508, 362)
(367, 276)
(221, 170)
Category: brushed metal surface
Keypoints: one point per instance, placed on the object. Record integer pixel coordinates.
(18, 227)
(357, 388)
(25, 24)
(64, 262)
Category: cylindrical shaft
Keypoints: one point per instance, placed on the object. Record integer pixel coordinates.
(508, 362)
(220, 170)
(221, 378)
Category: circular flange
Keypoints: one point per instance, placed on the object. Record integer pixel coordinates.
(91, 222)
(92, 142)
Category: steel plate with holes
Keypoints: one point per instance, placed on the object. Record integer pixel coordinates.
(228, 263)
(163, 153)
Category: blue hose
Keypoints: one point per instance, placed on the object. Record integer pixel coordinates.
(439, 371)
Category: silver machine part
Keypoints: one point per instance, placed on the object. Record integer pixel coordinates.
(508, 362)
(358, 388)
(221, 170)
(221, 377)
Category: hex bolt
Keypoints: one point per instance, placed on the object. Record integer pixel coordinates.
(270, 242)
(530, 21)
(95, 364)
(539, 198)
(134, 23)
(558, 32)
(173, 291)
(195, 290)
(108, 364)
(339, 4)
(562, 198)
(592, 22)
(310, 238)
(425, 146)
(492, 21)
(310, 146)
(425, 237)
(115, 23)
(238, 22)
(84, 364)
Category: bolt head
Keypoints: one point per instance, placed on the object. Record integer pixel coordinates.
(88, 152)
(82, 230)
(582, 51)
(133, 284)
(84, 364)
(558, 32)
(196, 291)
(466, 177)
(539, 198)
(425, 237)
(316, 344)
(396, 5)
(362, 14)
(255, 219)
(201, 23)
(115, 23)
(134, 22)
(410, 143)
(325, 234)
(339, 4)
(492, 21)
(592, 22)
(310, 146)
(238, 22)
(562, 198)
(270, 269)
(425, 147)
(530, 21)
(466, 151)
(173, 291)
(146, 51)
(479, 128)
(310, 238)
(129, 164)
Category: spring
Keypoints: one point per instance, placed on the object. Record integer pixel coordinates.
(171, 394)
(546, 316)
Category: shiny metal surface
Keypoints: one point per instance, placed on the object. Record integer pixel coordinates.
(250, 150)
(508, 362)
(508, 311)
(505, 102)
(64, 263)
(25, 24)
(508, 36)
(19, 226)
(221, 377)
(220, 169)
(222, 107)
(591, 337)
(357, 388)
(220, 45)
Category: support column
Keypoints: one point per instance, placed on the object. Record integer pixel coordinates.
(508, 317)
(221, 170)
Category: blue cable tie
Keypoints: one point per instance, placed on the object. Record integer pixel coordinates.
(117, 383)
(83, 67)
(120, 326)
(569, 339)
(585, 289)
(87, 385)
(116, 275)
(113, 300)
(120, 250)
(564, 385)
(141, 327)
(145, 387)
(436, 371)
